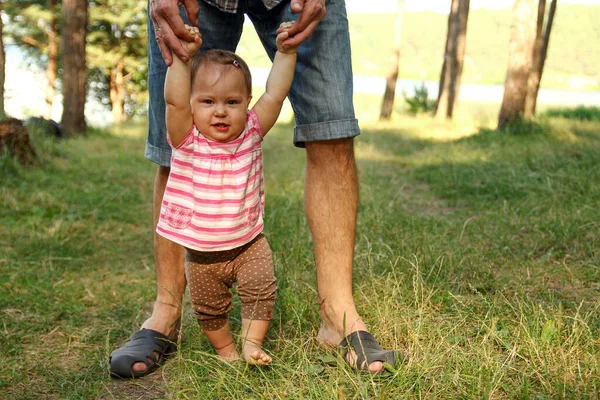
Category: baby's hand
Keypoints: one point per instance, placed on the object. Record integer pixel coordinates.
(192, 47)
(283, 35)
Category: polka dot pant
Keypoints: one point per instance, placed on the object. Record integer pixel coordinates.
(210, 276)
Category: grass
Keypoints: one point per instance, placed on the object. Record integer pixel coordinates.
(477, 254)
(578, 113)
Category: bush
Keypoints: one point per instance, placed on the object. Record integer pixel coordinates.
(419, 102)
(580, 113)
(525, 126)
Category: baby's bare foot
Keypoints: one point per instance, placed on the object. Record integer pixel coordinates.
(255, 355)
(228, 353)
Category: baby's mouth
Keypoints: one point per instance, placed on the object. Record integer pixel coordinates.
(221, 126)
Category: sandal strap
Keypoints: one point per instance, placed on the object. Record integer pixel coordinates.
(141, 347)
(367, 349)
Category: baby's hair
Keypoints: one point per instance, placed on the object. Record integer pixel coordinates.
(221, 58)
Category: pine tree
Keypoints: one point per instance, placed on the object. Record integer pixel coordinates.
(33, 27)
(117, 48)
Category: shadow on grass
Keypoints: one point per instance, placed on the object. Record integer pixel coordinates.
(478, 220)
(496, 205)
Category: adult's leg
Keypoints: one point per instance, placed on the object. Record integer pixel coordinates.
(321, 96)
(136, 358)
(170, 276)
(330, 200)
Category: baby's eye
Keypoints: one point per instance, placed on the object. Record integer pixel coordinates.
(233, 102)
(207, 101)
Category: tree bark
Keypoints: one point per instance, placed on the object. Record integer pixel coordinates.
(52, 67)
(539, 56)
(392, 77)
(14, 138)
(117, 92)
(74, 14)
(459, 61)
(454, 55)
(442, 100)
(2, 65)
(520, 54)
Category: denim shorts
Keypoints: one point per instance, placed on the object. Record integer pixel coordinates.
(321, 93)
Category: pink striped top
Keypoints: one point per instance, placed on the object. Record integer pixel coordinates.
(214, 199)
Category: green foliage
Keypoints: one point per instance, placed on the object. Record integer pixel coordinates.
(419, 102)
(29, 27)
(117, 38)
(580, 113)
(525, 127)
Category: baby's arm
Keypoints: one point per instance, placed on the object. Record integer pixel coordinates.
(177, 93)
(279, 82)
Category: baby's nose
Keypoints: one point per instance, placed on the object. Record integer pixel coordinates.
(220, 109)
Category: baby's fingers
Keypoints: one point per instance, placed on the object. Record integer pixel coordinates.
(281, 38)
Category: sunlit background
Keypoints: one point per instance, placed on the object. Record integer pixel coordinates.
(24, 95)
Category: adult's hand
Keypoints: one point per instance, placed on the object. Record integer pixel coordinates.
(311, 13)
(169, 28)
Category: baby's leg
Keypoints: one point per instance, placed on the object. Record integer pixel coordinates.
(210, 277)
(253, 333)
(256, 289)
(222, 341)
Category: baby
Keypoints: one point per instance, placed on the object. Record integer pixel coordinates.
(214, 200)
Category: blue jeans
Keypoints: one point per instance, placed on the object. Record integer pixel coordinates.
(321, 93)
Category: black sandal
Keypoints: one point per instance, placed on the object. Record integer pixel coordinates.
(367, 349)
(141, 347)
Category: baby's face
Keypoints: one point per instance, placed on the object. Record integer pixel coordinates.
(219, 100)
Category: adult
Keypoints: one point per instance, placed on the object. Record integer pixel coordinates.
(321, 96)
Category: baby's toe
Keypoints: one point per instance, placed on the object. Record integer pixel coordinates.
(265, 359)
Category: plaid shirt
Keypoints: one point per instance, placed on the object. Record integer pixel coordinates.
(232, 5)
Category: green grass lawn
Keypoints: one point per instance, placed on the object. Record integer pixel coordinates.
(477, 253)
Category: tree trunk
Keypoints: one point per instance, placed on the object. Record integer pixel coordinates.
(52, 67)
(2, 65)
(74, 14)
(539, 56)
(14, 139)
(459, 61)
(442, 101)
(392, 77)
(454, 54)
(520, 54)
(117, 92)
